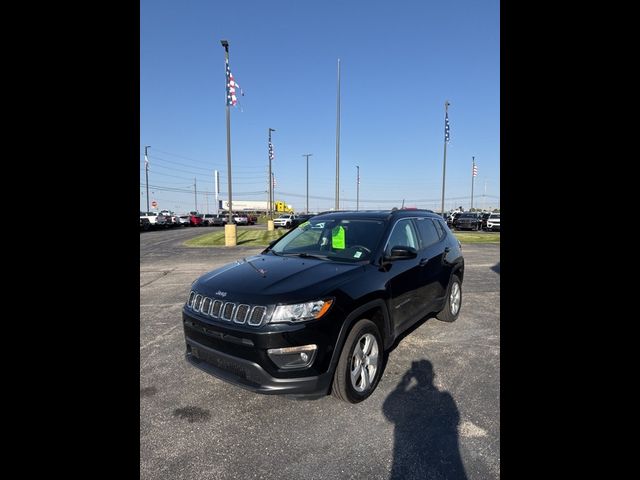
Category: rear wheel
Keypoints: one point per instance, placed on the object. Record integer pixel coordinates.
(360, 364)
(454, 301)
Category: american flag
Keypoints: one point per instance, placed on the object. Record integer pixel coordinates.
(271, 155)
(232, 85)
(475, 170)
(446, 127)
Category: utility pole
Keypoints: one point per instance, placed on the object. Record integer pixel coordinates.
(146, 173)
(446, 140)
(195, 192)
(307, 155)
(216, 186)
(271, 157)
(337, 206)
(358, 189)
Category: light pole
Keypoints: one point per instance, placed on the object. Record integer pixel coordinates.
(358, 189)
(307, 155)
(146, 173)
(271, 157)
(337, 206)
(473, 176)
(446, 140)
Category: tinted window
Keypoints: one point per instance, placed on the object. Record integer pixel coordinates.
(428, 232)
(403, 234)
(439, 228)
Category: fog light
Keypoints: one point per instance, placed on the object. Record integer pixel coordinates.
(293, 357)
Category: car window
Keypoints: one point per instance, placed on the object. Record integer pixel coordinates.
(440, 228)
(428, 232)
(403, 234)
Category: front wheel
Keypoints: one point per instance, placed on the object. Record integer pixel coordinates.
(454, 301)
(360, 365)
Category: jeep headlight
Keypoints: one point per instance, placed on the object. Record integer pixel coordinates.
(301, 312)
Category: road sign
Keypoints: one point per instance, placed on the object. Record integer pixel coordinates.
(154, 204)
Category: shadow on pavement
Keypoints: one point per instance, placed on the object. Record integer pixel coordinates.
(496, 268)
(426, 427)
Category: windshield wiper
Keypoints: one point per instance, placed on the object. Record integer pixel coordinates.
(305, 255)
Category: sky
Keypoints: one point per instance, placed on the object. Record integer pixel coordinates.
(399, 63)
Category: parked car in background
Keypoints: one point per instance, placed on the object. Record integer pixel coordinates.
(195, 220)
(212, 220)
(493, 223)
(315, 311)
(468, 221)
(453, 218)
(284, 220)
(484, 216)
(252, 219)
(300, 219)
(240, 219)
(145, 224)
(183, 220)
(151, 216)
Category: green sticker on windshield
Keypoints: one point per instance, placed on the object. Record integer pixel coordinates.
(337, 238)
(302, 225)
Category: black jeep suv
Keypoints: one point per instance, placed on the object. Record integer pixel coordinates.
(316, 310)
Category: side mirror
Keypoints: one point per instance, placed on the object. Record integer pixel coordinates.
(401, 252)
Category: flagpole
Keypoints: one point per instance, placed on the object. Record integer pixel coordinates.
(473, 170)
(446, 139)
(230, 237)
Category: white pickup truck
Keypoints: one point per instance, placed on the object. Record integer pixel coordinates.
(284, 220)
(151, 216)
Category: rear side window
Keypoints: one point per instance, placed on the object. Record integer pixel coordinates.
(427, 231)
(440, 228)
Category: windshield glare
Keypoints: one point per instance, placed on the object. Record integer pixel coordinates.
(338, 240)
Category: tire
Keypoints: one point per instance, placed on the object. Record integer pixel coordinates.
(357, 387)
(453, 302)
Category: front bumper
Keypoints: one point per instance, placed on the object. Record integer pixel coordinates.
(251, 376)
(238, 354)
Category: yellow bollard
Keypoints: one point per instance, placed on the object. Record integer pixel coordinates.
(269, 225)
(230, 235)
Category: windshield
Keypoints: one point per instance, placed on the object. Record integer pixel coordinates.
(337, 239)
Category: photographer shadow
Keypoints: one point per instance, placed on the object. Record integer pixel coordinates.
(426, 427)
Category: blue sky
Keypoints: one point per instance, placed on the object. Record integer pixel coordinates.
(399, 62)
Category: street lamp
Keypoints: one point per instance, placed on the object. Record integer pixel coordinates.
(146, 172)
(358, 189)
(307, 155)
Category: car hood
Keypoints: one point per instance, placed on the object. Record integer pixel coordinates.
(270, 279)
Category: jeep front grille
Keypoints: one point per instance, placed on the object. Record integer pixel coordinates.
(244, 314)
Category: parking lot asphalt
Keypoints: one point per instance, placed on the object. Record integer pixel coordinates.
(436, 408)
